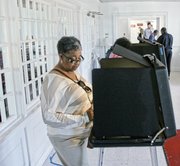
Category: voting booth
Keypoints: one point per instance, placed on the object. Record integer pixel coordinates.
(150, 48)
(132, 101)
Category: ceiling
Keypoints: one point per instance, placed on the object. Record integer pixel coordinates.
(103, 1)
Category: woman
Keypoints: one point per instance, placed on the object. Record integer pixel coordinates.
(66, 102)
(123, 41)
(141, 36)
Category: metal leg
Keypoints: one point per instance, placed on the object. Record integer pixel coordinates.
(101, 153)
(154, 159)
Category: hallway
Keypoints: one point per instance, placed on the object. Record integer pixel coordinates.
(134, 156)
(30, 30)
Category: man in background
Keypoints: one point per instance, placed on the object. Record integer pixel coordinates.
(148, 31)
(166, 40)
(153, 36)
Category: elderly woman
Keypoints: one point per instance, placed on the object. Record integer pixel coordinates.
(66, 102)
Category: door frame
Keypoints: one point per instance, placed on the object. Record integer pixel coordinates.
(161, 17)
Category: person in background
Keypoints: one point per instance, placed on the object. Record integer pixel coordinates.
(153, 36)
(166, 40)
(148, 31)
(123, 41)
(66, 103)
(141, 35)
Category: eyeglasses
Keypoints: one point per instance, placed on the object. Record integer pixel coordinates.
(83, 85)
(73, 60)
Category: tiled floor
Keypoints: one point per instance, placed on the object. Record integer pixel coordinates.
(134, 156)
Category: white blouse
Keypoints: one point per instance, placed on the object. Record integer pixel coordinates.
(64, 104)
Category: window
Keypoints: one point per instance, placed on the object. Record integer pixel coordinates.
(24, 3)
(34, 52)
(34, 66)
(30, 4)
(7, 104)
(67, 23)
(7, 98)
(37, 6)
(1, 59)
(18, 3)
(27, 40)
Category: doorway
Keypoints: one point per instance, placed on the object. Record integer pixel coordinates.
(136, 25)
(128, 26)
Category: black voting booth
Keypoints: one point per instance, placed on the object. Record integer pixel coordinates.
(132, 102)
(150, 48)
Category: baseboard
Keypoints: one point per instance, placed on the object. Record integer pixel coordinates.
(44, 156)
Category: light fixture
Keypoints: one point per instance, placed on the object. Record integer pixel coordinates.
(93, 13)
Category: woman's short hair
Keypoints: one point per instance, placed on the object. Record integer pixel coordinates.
(68, 43)
(123, 41)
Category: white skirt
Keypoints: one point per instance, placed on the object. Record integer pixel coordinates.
(71, 150)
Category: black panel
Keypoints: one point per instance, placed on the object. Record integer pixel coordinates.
(132, 101)
(119, 62)
(144, 48)
(124, 103)
(166, 102)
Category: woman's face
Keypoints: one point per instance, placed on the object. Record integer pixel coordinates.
(71, 60)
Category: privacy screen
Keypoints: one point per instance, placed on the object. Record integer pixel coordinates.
(125, 102)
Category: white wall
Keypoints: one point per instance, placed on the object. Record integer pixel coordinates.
(143, 9)
(26, 144)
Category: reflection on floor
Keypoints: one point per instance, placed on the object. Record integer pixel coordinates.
(133, 156)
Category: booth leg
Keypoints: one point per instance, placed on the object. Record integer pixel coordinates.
(154, 159)
(101, 153)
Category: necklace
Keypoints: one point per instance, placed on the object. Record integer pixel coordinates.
(60, 71)
(79, 82)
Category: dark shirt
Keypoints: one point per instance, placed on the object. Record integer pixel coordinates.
(166, 39)
(140, 38)
(152, 37)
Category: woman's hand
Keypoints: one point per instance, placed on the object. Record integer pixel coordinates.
(90, 113)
